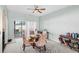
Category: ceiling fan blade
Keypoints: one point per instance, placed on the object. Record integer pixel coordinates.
(42, 9)
(39, 11)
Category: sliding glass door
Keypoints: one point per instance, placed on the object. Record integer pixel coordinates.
(22, 27)
(19, 28)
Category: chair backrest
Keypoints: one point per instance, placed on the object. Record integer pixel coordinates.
(42, 40)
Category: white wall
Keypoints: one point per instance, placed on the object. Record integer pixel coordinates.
(0, 29)
(62, 21)
(17, 16)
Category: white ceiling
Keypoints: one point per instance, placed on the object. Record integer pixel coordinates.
(23, 9)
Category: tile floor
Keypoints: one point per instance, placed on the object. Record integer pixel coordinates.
(51, 46)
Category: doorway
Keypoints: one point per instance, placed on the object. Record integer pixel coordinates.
(24, 27)
(19, 28)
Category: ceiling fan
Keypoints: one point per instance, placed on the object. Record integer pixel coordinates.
(37, 9)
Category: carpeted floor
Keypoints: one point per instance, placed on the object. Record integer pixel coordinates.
(51, 47)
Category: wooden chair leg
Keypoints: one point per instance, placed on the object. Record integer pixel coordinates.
(40, 49)
(44, 47)
(33, 45)
(23, 47)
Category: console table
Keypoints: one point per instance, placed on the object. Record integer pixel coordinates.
(70, 42)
